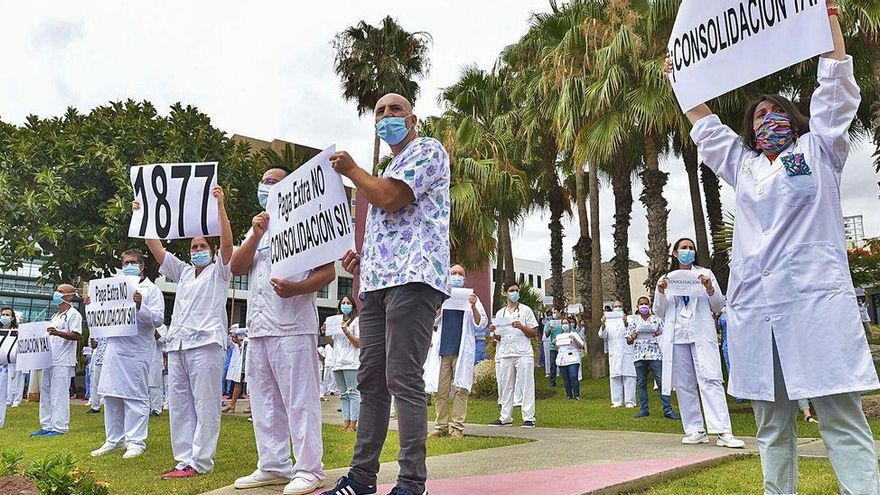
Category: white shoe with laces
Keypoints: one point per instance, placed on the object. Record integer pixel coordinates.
(106, 449)
(133, 451)
(302, 483)
(729, 441)
(695, 438)
(260, 478)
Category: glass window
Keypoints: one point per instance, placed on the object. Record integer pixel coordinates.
(531, 280)
(239, 283)
(539, 281)
(324, 293)
(344, 285)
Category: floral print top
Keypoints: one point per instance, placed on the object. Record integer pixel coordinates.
(411, 245)
(645, 346)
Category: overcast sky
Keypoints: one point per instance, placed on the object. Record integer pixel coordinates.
(265, 69)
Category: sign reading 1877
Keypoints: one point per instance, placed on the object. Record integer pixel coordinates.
(175, 201)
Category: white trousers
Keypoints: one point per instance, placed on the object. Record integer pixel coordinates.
(686, 383)
(515, 370)
(125, 421)
(15, 389)
(94, 379)
(328, 384)
(195, 385)
(285, 401)
(623, 391)
(4, 383)
(55, 399)
(156, 398)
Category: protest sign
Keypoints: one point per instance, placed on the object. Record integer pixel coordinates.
(176, 201)
(548, 300)
(334, 325)
(722, 45)
(562, 339)
(34, 351)
(574, 309)
(684, 283)
(112, 311)
(459, 300)
(309, 218)
(613, 315)
(8, 344)
(504, 326)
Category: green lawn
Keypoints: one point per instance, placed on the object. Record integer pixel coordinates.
(236, 452)
(743, 476)
(594, 412)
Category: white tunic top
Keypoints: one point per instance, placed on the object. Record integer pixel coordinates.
(789, 276)
(517, 344)
(568, 354)
(620, 354)
(199, 316)
(347, 355)
(463, 376)
(63, 350)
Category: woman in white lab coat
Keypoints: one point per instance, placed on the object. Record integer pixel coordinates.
(621, 370)
(238, 368)
(569, 347)
(793, 321)
(689, 345)
(347, 348)
(8, 339)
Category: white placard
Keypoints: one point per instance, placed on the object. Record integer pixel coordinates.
(34, 351)
(574, 309)
(720, 45)
(548, 300)
(613, 315)
(504, 326)
(459, 299)
(176, 201)
(309, 218)
(684, 283)
(8, 345)
(562, 339)
(112, 311)
(334, 325)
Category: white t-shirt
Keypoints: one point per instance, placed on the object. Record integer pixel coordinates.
(347, 355)
(516, 345)
(199, 316)
(63, 350)
(568, 354)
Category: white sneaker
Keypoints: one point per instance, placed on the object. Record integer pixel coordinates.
(106, 449)
(616, 405)
(133, 451)
(729, 441)
(260, 478)
(302, 483)
(630, 406)
(15, 405)
(695, 438)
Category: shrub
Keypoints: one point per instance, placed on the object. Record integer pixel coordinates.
(57, 475)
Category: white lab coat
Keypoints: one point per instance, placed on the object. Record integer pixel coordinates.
(238, 363)
(620, 354)
(464, 369)
(707, 359)
(789, 276)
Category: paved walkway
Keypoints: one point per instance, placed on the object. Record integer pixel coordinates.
(560, 461)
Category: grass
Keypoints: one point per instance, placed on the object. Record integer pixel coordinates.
(236, 451)
(594, 412)
(743, 476)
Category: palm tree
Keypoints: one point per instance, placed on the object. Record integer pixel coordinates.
(375, 60)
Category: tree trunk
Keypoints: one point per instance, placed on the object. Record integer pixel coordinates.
(621, 185)
(510, 269)
(557, 208)
(499, 271)
(583, 248)
(376, 144)
(689, 153)
(653, 181)
(597, 359)
(712, 191)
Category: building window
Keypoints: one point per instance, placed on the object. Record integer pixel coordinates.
(239, 283)
(324, 293)
(539, 281)
(344, 286)
(531, 280)
(522, 278)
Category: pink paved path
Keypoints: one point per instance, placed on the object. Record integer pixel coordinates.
(576, 480)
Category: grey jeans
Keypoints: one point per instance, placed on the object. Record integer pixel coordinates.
(844, 430)
(396, 326)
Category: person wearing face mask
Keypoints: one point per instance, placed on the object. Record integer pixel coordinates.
(403, 279)
(450, 363)
(792, 302)
(195, 344)
(517, 359)
(689, 345)
(347, 360)
(8, 341)
(643, 330)
(569, 346)
(621, 371)
(65, 329)
(554, 328)
(15, 390)
(283, 373)
(99, 350)
(124, 382)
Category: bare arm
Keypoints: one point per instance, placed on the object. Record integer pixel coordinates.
(387, 194)
(839, 52)
(319, 278)
(243, 257)
(225, 227)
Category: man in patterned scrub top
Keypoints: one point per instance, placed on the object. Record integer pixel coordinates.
(404, 278)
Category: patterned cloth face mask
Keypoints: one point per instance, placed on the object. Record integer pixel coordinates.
(774, 134)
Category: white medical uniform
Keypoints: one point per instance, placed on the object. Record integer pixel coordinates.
(516, 362)
(155, 379)
(196, 355)
(8, 341)
(238, 362)
(463, 375)
(16, 386)
(97, 364)
(284, 376)
(125, 374)
(55, 384)
(328, 384)
(4, 379)
(621, 370)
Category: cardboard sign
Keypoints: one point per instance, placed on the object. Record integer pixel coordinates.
(684, 283)
(309, 218)
(112, 311)
(8, 344)
(176, 201)
(718, 46)
(34, 351)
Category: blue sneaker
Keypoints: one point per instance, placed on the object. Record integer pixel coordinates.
(348, 486)
(671, 415)
(641, 414)
(403, 491)
(39, 433)
(53, 434)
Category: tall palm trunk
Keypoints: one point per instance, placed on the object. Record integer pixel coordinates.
(376, 144)
(557, 208)
(499, 271)
(712, 191)
(621, 185)
(583, 250)
(597, 359)
(508, 252)
(653, 181)
(689, 153)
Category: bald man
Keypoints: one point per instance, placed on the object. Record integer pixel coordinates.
(404, 278)
(65, 328)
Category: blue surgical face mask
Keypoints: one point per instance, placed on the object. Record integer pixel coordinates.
(456, 281)
(345, 308)
(566, 327)
(513, 296)
(392, 130)
(686, 256)
(58, 299)
(131, 269)
(5, 320)
(263, 194)
(200, 258)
